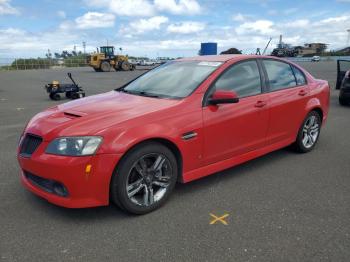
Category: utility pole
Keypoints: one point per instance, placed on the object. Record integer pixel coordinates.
(348, 41)
(84, 47)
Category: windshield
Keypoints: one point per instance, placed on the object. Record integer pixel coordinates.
(173, 80)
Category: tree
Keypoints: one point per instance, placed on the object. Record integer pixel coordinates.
(232, 50)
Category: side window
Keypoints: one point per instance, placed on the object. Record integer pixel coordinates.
(299, 76)
(243, 78)
(280, 75)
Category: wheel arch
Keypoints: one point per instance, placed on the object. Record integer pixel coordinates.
(167, 143)
(314, 104)
(319, 111)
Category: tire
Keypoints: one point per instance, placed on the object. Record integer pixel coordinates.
(55, 96)
(308, 133)
(134, 180)
(105, 66)
(68, 94)
(125, 66)
(74, 95)
(343, 101)
(97, 69)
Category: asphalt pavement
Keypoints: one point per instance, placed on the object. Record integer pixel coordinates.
(281, 207)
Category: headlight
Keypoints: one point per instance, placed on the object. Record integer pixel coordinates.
(74, 146)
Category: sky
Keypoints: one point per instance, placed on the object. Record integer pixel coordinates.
(167, 27)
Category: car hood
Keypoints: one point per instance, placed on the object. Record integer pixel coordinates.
(92, 115)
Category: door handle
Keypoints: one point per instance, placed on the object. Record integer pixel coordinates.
(302, 92)
(260, 103)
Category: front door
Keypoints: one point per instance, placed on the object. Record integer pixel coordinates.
(234, 129)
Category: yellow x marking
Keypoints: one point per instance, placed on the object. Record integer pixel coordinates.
(218, 219)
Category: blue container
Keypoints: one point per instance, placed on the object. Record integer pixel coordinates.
(209, 48)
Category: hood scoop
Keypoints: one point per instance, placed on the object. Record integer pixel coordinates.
(72, 114)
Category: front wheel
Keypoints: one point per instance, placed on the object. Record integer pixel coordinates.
(308, 133)
(145, 178)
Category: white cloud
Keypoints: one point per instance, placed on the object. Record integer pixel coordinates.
(335, 19)
(239, 18)
(186, 27)
(190, 7)
(95, 20)
(259, 26)
(144, 25)
(7, 9)
(61, 14)
(297, 23)
(125, 7)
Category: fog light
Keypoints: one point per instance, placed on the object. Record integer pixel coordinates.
(59, 189)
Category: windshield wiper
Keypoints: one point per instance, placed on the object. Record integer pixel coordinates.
(141, 93)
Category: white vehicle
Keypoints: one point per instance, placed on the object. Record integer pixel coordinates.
(147, 62)
(315, 59)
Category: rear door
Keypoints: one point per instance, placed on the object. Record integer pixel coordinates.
(234, 129)
(342, 67)
(288, 92)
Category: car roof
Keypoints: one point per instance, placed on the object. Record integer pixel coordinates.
(222, 58)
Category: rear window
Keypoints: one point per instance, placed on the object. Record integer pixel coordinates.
(299, 76)
(280, 75)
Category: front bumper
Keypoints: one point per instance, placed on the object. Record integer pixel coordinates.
(84, 189)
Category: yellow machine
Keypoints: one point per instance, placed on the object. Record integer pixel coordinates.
(104, 60)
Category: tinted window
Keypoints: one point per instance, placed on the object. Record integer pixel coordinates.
(243, 78)
(280, 75)
(299, 76)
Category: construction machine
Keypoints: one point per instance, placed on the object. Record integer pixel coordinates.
(104, 60)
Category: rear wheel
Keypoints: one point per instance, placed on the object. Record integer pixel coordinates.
(55, 96)
(144, 178)
(74, 95)
(125, 66)
(105, 66)
(308, 133)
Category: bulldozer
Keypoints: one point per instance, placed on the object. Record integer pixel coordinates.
(105, 59)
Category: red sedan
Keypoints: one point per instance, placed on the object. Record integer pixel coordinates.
(179, 122)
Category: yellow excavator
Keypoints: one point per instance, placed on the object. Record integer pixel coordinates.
(105, 59)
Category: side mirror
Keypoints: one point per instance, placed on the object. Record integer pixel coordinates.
(223, 97)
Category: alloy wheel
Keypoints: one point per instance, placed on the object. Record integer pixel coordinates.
(148, 179)
(311, 130)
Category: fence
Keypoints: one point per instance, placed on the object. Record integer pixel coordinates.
(40, 63)
(322, 58)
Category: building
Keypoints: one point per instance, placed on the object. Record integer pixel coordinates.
(311, 49)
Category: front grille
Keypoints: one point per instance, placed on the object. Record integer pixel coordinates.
(29, 144)
(47, 185)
